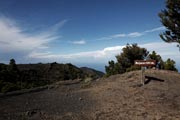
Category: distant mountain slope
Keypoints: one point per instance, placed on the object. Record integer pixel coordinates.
(25, 76)
(50, 72)
(55, 72)
(92, 72)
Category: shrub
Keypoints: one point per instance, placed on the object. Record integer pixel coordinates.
(9, 87)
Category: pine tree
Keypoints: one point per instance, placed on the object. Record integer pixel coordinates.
(170, 65)
(159, 61)
(13, 71)
(170, 18)
(12, 65)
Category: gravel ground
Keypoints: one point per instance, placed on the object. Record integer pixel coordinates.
(119, 97)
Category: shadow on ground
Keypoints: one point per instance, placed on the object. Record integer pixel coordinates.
(148, 79)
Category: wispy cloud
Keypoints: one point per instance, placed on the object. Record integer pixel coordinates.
(155, 29)
(132, 35)
(79, 42)
(13, 38)
(118, 35)
(162, 48)
(135, 34)
(58, 25)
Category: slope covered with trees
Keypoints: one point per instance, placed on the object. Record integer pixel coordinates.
(24, 76)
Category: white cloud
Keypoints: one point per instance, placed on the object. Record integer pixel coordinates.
(166, 50)
(157, 45)
(80, 42)
(58, 25)
(118, 35)
(13, 39)
(133, 34)
(105, 38)
(155, 29)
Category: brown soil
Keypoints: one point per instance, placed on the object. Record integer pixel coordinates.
(119, 97)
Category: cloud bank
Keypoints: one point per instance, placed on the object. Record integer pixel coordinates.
(109, 53)
(89, 56)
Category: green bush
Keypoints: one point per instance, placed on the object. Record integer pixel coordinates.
(170, 65)
(9, 87)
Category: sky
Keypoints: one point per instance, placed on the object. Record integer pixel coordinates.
(82, 32)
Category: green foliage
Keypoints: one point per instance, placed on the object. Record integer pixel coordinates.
(131, 53)
(125, 61)
(7, 87)
(159, 61)
(113, 68)
(12, 65)
(170, 18)
(155, 56)
(170, 65)
(9, 75)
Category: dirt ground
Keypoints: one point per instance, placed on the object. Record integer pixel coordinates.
(119, 97)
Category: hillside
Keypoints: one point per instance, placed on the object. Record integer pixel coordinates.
(56, 72)
(92, 72)
(50, 72)
(119, 97)
(23, 76)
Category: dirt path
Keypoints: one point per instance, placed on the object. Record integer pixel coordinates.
(119, 97)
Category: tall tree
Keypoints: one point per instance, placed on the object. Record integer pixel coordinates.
(12, 65)
(13, 71)
(113, 68)
(131, 53)
(170, 18)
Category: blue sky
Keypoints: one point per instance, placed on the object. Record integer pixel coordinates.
(83, 32)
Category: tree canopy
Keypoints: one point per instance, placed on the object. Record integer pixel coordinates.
(170, 18)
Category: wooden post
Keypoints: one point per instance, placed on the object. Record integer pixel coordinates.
(143, 64)
(142, 75)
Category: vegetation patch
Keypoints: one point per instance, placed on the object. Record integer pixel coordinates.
(130, 53)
